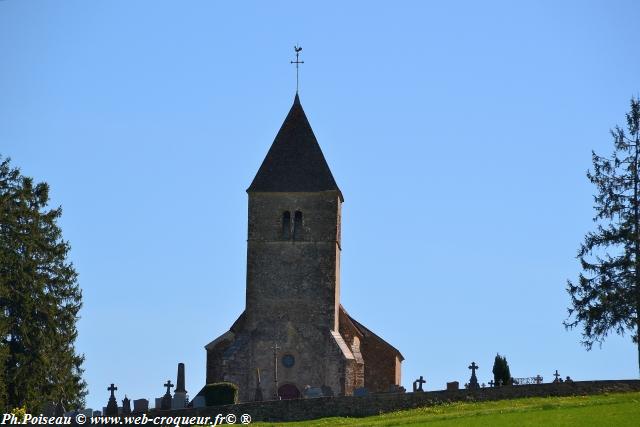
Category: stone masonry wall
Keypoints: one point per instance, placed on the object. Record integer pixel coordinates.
(351, 406)
(380, 367)
(292, 298)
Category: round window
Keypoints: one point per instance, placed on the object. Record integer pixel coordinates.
(288, 360)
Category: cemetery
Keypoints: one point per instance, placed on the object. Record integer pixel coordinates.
(317, 402)
(315, 405)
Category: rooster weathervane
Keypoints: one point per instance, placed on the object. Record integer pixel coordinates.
(297, 49)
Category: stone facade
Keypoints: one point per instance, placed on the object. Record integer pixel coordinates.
(293, 285)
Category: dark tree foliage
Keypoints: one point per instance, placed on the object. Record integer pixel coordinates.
(606, 296)
(39, 300)
(223, 393)
(501, 371)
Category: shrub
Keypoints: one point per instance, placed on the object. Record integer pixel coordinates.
(223, 393)
(19, 413)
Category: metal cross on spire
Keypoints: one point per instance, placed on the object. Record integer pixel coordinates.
(297, 49)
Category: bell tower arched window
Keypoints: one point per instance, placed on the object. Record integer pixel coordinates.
(286, 225)
(297, 226)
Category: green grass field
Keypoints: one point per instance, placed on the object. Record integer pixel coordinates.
(619, 409)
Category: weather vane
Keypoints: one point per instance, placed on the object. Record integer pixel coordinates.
(298, 49)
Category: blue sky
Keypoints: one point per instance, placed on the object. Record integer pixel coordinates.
(458, 132)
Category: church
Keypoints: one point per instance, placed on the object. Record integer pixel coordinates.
(294, 333)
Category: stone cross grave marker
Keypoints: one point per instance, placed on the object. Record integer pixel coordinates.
(168, 385)
(417, 384)
(492, 383)
(473, 382)
(112, 405)
(557, 375)
(166, 399)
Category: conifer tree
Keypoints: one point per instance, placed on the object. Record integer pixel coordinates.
(606, 296)
(501, 371)
(39, 299)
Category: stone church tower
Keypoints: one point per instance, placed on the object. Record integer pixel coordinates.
(293, 285)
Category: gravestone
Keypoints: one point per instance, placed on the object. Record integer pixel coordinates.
(179, 400)
(417, 384)
(473, 382)
(311, 392)
(558, 377)
(165, 402)
(126, 405)
(180, 381)
(538, 379)
(453, 386)
(112, 405)
(97, 413)
(140, 405)
(361, 392)
(568, 380)
(492, 383)
(87, 412)
(158, 403)
(198, 402)
(327, 391)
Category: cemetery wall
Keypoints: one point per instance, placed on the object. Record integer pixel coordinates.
(374, 404)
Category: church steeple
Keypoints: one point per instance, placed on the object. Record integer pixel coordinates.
(295, 162)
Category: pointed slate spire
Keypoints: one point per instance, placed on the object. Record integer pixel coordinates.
(295, 162)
